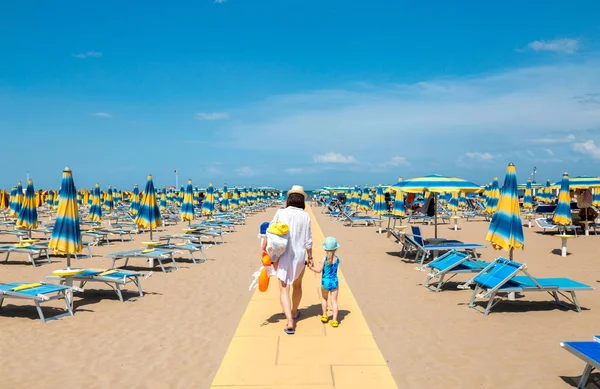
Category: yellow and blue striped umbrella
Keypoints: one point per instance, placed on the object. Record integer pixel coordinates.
(506, 229)
(398, 209)
(66, 235)
(462, 200)
(163, 201)
(453, 203)
(187, 208)
(364, 199)
(235, 199)
(12, 207)
(196, 197)
(380, 207)
(86, 196)
(134, 205)
(243, 201)
(527, 197)
(50, 198)
(180, 195)
(562, 216)
(95, 213)
(3, 199)
(547, 199)
(354, 197)
(208, 206)
(493, 197)
(225, 202)
(584, 182)
(437, 184)
(148, 215)
(28, 217)
(596, 197)
(17, 200)
(108, 200)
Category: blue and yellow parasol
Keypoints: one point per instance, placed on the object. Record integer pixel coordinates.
(148, 216)
(380, 207)
(28, 218)
(208, 206)
(562, 216)
(95, 213)
(187, 208)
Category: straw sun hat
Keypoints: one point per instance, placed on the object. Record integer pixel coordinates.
(297, 189)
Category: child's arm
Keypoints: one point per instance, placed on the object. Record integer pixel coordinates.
(318, 268)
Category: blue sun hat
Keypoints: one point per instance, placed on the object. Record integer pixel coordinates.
(330, 244)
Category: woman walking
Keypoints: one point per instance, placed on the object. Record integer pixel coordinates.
(290, 266)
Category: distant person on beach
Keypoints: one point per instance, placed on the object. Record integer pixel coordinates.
(329, 280)
(290, 267)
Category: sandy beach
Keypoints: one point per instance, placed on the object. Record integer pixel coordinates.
(176, 336)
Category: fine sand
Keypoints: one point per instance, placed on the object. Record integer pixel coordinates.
(177, 334)
(433, 340)
(173, 337)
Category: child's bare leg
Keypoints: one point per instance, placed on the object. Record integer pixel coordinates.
(334, 303)
(324, 295)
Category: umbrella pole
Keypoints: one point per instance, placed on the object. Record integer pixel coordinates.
(435, 211)
(68, 261)
(510, 254)
(150, 232)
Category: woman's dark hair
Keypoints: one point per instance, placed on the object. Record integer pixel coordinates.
(295, 200)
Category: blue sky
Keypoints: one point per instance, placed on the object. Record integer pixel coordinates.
(271, 92)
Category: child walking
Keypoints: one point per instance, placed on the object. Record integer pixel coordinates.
(329, 279)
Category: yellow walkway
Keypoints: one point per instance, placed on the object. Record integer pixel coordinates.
(318, 356)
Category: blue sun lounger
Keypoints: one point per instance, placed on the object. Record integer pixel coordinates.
(148, 254)
(115, 278)
(589, 352)
(500, 278)
(423, 251)
(38, 293)
(189, 247)
(450, 264)
(35, 253)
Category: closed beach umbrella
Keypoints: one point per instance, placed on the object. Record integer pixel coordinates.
(17, 200)
(453, 203)
(108, 200)
(364, 199)
(493, 197)
(28, 218)
(596, 197)
(528, 198)
(380, 206)
(163, 201)
(235, 199)
(134, 204)
(355, 197)
(243, 201)
(148, 215)
(562, 216)
(548, 192)
(50, 198)
(225, 202)
(12, 207)
(506, 229)
(180, 195)
(208, 206)
(3, 199)
(95, 213)
(66, 235)
(187, 208)
(399, 209)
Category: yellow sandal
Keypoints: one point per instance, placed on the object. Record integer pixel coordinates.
(334, 323)
(324, 319)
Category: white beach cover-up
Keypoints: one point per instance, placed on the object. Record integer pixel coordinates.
(291, 262)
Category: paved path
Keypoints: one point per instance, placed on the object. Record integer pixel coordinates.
(318, 356)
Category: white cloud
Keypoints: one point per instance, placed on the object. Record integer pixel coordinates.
(220, 1)
(479, 156)
(588, 148)
(214, 171)
(334, 158)
(212, 115)
(549, 152)
(294, 170)
(104, 115)
(549, 140)
(396, 161)
(245, 171)
(566, 46)
(88, 54)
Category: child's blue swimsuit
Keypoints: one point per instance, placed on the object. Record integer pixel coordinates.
(329, 279)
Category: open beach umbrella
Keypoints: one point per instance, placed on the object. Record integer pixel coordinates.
(66, 235)
(364, 199)
(380, 207)
(493, 197)
(235, 199)
(453, 203)
(225, 202)
(506, 228)
(95, 213)
(148, 215)
(436, 184)
(187, 208)
(562, 216)
(208, 206)
(462, 200)
(528, 198)
(134, 204)
(584, 182)
(28, 218)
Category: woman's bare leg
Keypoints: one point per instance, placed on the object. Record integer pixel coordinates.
(297, 294)
(284, 298)
(324, 295)
(334, 303)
